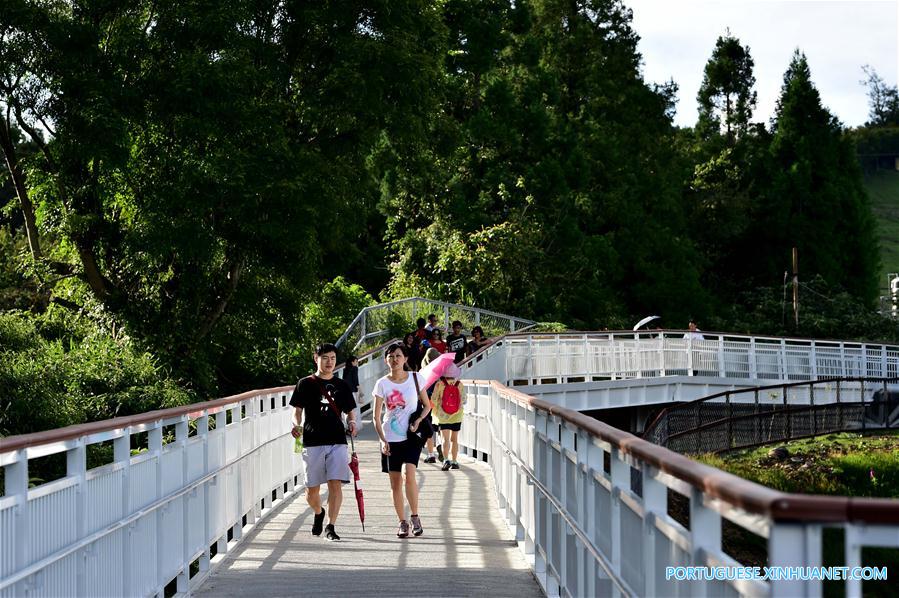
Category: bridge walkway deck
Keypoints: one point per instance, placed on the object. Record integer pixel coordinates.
(466, 548)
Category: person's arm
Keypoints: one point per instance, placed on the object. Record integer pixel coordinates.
(297, 429)
(379, 404)
(350, 411)
(423, 397)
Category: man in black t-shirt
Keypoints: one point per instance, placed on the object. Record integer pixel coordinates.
(456, 342)
(318, 401)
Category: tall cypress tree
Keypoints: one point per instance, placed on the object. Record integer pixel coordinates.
(816, 201)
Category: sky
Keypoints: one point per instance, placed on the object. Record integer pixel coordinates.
(837, 36)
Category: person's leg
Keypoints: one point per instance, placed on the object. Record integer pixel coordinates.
(314, 498)
(396, 489)
(412, 488)
(445, 432)
(430, 445)
(455, 440)
(335, 499)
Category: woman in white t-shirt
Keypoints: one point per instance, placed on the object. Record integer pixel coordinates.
(396, 398)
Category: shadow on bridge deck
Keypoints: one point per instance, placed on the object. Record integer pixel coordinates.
(466, 549)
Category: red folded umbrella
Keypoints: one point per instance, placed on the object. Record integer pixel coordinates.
(357, 485)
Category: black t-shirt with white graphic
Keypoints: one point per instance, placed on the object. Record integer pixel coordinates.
(456, 344)
(321, 426)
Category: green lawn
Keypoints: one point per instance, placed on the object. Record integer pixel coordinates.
(837, 464)
(883, 189)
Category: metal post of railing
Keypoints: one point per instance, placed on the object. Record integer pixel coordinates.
(721, 368)
(841, 423)
(787, 415)
(76, 466)
(814, 412)
(758, 420)
(121, 455)
(883, 361)
(843, 372)
(690, 357)
(753, 361)
(864, 360)
(446, 324)
(730, 421)
(864, 418)
(183, 579)
(782, 356)
(813, 361)
(154, 446)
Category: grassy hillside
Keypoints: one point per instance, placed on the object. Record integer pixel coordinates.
(883, 188)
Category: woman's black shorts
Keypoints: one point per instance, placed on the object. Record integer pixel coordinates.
(400, 452)
(454, 427)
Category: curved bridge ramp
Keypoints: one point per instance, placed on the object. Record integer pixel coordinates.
(466, 550)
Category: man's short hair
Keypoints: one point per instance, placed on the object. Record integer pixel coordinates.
(325, 348)
(457, 323)
(420, 322)
(432, 317)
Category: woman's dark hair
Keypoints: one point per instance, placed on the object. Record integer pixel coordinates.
(405, 338)
(351, 358)
(393, 347)
(420, 322)
(477, 329)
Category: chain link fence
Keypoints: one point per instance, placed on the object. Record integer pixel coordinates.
(750, 417)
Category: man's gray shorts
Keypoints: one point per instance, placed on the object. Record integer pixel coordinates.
(328, 462)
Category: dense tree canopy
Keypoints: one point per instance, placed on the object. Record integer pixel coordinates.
(196, 192)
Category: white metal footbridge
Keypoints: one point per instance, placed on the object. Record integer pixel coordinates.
(589, 505)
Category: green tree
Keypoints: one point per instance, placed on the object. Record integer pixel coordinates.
(815, 200)
(726, 96)
(198, 155)
(883, 100)
(554, 196)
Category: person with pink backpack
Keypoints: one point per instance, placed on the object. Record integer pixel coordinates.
(448, 400)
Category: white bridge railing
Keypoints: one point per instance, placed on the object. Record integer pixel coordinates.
(585, 357)
(202, 473)
(131, 526)
(590, 506)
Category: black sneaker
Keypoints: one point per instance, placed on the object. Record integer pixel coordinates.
(430, 459)
(455, 465)
(330, 534)
(318, 522)
(446, 465)
(440, 453)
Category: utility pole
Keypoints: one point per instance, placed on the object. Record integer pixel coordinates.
(796, 288)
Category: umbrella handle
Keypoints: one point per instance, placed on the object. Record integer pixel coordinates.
(352, 444)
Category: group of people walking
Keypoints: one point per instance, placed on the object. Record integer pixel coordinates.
(407, 418)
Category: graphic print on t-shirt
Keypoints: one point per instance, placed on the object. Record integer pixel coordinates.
(395, 405)
(324, 406)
